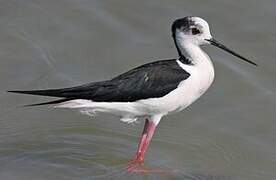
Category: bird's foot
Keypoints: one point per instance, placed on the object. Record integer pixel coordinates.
(134, 165)
(137, 166)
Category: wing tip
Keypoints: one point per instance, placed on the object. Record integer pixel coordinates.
(47, 103)
(19, 92)
(46, 92)
(12, 91)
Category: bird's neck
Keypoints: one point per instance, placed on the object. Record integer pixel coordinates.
(192, 52)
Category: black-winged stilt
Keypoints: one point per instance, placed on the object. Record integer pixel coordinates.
(152, 90)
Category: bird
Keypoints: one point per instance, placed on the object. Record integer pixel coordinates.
(150, 91)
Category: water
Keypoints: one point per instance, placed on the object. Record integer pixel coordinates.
(230, 133)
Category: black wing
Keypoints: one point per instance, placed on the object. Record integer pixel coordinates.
(150, 80)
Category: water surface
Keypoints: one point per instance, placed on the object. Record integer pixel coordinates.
(230, 133)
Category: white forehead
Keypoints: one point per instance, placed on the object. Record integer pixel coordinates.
(201, 22)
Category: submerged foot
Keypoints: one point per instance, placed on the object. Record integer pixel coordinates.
(137, 166)
(134, 165)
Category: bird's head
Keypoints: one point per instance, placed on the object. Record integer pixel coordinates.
(191, 29)
(195, 30)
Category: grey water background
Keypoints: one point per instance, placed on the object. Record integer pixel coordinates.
(229, 133)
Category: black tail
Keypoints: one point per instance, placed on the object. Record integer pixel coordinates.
(47, 103)
(96, 91)
(50, 92)
(77, 92)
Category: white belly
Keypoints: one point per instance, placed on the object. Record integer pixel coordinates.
(201, 77)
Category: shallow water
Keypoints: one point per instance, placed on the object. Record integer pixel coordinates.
(230, 133)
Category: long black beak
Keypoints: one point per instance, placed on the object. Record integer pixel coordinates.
(221, 46)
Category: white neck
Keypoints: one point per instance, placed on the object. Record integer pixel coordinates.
(201, 63)
(193, 52)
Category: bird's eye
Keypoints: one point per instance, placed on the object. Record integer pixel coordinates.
(195, 31)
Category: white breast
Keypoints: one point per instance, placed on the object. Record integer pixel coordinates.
(201, 77)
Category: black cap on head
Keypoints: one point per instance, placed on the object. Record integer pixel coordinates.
(182, 23)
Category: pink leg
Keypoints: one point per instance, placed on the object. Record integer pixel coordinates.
(141, 145)
(148, 132)
(137, 162)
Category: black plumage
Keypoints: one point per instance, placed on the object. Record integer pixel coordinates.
(151, 80)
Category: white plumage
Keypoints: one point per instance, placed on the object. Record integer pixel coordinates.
(150, 91)
(202, 75)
